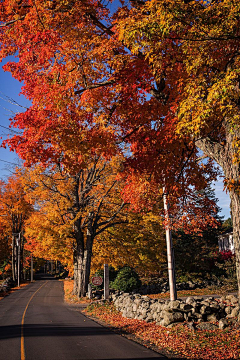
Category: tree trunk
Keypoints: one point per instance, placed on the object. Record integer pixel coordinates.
(78, 255)
(87, 261)
(235, 210)
(13, 259)
(78, 270)
(75, 271)
(82, 267)
(225, 155)
(80, 292)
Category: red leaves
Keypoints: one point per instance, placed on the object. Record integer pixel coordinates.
(92, 95)
(200, 344)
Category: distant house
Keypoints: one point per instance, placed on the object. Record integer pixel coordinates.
(225, 242)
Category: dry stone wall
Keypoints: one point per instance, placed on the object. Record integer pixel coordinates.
(219, 312)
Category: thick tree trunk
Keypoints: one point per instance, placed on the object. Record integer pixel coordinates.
(78, 258)
(78, 270)
(75, 272)
(235, 209)
(224, 155)
(87, 261)
(82, 267)
(82, 262)
(80, 291)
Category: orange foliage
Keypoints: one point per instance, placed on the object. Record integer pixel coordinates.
(123, 83)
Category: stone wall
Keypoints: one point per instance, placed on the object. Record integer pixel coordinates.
(219, 312)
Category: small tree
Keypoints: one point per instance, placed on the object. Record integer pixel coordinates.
(14, 211)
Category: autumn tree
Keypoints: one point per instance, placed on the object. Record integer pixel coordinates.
(14, 211)
(5, 248)
(196, 45)
(155, 80)
(73, 211)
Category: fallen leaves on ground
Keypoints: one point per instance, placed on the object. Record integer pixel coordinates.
(69, 297)
(179, 340)
(199, 344)
(2, 295)
(184, 293)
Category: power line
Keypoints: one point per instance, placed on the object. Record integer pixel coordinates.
(9, 162)
(11, 130)
(11, 101)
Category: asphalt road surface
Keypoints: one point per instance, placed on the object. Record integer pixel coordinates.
(36, 324)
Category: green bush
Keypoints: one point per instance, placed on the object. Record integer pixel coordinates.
(127, 280)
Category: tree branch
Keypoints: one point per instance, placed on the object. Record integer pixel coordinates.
(110, 221)
(12, 21)
(94, 86)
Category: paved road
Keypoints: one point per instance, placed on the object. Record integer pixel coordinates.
(35, 324)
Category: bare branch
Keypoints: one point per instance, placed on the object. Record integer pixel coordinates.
(110, 221)
(100, 25)
(94, 86)
(12, 21)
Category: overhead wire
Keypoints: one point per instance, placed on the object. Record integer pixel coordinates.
(9, 162)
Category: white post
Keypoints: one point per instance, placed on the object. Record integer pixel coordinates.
(170, 251)
(106, 282)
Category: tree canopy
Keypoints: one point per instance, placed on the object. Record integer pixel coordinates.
(155, 81)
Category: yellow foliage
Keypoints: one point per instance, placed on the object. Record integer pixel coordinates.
(139, 243)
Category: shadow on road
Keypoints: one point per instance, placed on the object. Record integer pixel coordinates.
(45, 330)
(42, 276)
(33, 330)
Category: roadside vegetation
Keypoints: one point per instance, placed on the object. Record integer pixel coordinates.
(10, 291)
(178, 341)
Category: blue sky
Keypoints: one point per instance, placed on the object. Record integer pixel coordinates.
(224, 199)
(10, 89)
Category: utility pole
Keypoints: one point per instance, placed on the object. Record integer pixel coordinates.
(170, 251)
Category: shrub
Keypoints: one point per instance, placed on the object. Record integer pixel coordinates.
(127, 280)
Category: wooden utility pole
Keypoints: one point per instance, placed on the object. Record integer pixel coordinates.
(170, 251)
